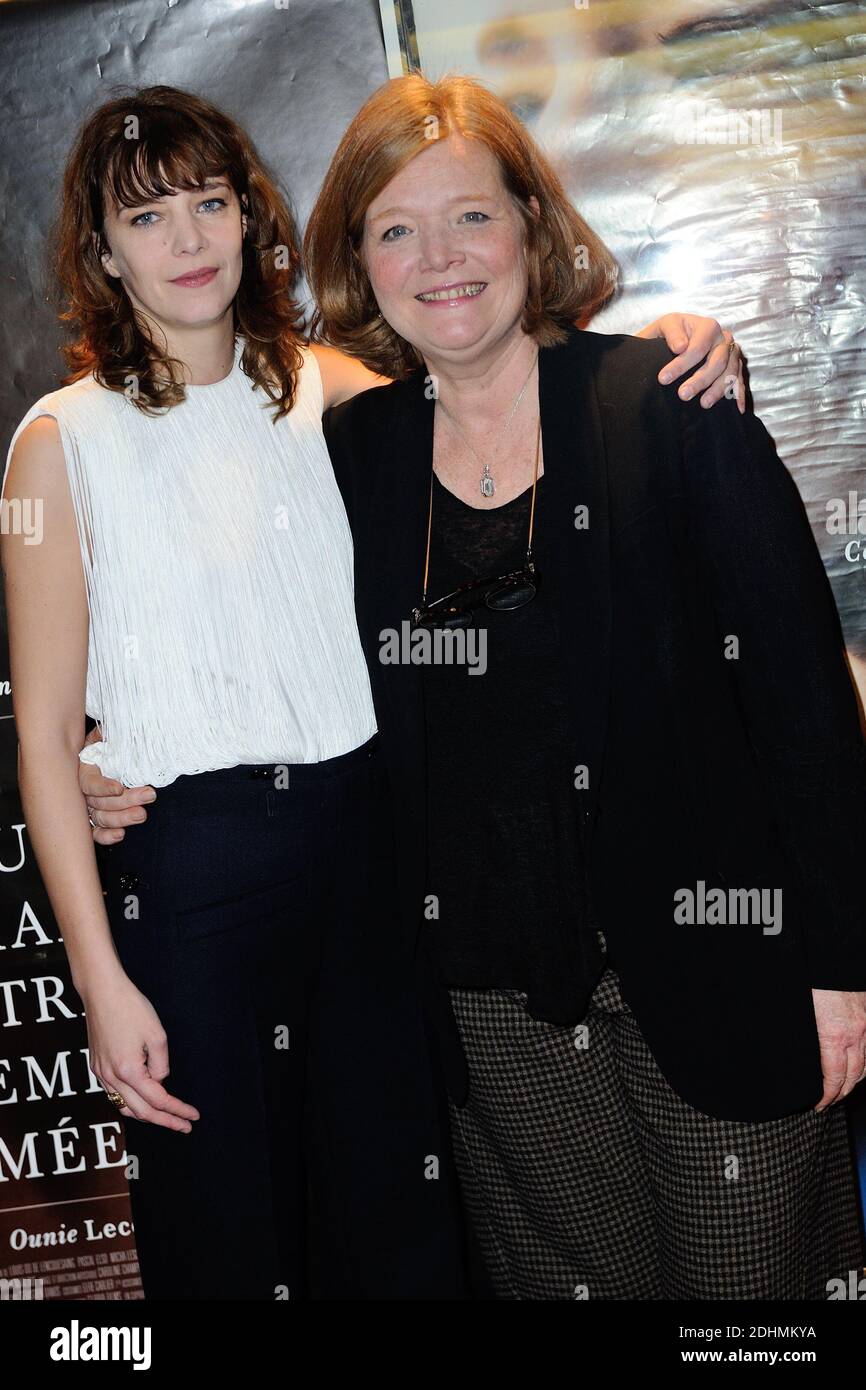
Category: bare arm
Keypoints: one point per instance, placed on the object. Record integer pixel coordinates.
(47, 611)
(342, 376)
(48, 623)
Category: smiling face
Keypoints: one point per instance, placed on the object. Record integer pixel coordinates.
(443, 246)
(180, 257)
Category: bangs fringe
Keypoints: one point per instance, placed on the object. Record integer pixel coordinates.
(178, 142)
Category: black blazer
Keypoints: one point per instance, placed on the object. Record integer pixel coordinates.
(736, 766)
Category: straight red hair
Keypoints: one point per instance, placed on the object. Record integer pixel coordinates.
(571, 271)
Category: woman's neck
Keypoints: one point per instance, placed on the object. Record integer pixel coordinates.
(207, 353)
(481, 392)
(485, 430)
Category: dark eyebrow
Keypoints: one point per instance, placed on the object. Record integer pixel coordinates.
(457, 198)
(208, 185)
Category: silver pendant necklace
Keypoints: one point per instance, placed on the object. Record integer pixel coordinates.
(486, 484)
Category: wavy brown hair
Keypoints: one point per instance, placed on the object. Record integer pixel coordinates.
(391, 129)
(182, 140)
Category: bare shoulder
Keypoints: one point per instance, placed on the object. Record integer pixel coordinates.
(38, 448)
(343, 376)
(329, 362)
(37, 479)
(41, 434)
(327, 357)
(36, 475)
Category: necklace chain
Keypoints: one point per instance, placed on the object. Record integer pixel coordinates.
(486, 483)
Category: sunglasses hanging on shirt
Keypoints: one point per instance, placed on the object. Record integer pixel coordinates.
(500, 592)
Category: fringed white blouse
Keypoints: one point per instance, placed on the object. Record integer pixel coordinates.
(218, 563)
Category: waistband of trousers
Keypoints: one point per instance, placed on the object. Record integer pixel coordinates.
(264, 773)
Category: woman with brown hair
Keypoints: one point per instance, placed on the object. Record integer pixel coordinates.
(637, 746)
(253, 914)
(251, 1013)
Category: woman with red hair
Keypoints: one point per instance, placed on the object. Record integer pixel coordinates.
(624, 743)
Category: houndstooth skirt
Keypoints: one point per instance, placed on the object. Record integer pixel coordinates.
(585, 1175)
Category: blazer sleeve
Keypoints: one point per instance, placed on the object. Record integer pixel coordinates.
(771, 591)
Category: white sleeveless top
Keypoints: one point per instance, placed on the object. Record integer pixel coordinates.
(218, 562)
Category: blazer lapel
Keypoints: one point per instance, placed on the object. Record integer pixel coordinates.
(572, 542)
(402, 504)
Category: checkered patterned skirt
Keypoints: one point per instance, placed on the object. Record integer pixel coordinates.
(585, 1175)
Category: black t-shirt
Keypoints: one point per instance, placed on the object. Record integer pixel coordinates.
(505, 854)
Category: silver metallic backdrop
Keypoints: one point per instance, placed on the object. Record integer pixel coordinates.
(719, 150)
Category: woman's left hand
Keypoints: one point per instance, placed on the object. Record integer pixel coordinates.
(692, 337)
(841, 1019)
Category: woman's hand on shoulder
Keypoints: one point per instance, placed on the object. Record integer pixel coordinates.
(693, 337)
(343, 376)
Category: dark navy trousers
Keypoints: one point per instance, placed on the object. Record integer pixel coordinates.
(261, 921)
